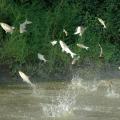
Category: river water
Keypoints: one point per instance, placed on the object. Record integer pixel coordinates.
(75, 100)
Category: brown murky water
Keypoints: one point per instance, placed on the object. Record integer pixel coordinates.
(60, 101)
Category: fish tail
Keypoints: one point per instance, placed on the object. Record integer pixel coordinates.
(45, 61)
(105, 27)
(62, 50)
(13, 28)
(33, 85)
(72, 55)
(27, 22)
(87, 48)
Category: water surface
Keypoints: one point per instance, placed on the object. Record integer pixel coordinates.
(78, 100)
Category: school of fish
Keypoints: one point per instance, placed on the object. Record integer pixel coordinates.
(79, 31)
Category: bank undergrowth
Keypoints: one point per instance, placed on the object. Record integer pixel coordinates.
(48, 18)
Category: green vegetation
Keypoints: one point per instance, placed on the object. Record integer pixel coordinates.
(49, 17)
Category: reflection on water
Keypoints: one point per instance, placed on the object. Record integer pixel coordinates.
(78, 100)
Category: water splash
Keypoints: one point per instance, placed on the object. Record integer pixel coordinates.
(87, 108)
(78, 81)
(110, 89)
(64, 103)
(55, 110)
(91, 86)
(112, 94)
(60, 106)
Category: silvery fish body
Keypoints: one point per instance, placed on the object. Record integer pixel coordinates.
(41, 57)
(101, 51)
(25, 78)
(66, 49)
(23, 26)
(80, 30)
(7, 28)
(102, 22)
(66, 33)
(82, 46)
(119, 68)
(54, 42)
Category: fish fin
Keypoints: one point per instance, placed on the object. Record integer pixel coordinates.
(80, 34)
(45, 61)
(87, 48)
(72, 55)
(62, 50)
(104, 27)
(75, 33)
(13, 27)
(28, 22)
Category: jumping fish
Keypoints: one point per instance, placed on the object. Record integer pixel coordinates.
(75, 59)
(7, 28)
(53, 42)
(102, 22)
(66, 33)
(41, 57)
(80, 30)
(119, 68)
(23, 26)
(66, 49)
(82, 46)
(26, 78)
(101, 52)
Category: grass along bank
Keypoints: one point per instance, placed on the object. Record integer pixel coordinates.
(19, 51)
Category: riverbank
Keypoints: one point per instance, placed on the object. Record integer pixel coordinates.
(86, 71)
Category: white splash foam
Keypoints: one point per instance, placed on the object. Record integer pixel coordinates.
(112, 94)
(87, 108)
(89, 86)
(77, 81)
(65, 102)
